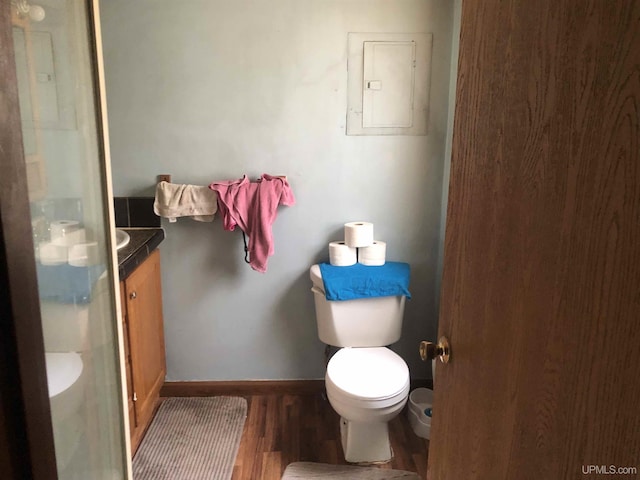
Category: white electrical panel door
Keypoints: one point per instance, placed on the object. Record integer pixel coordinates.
(389, 78)
(48, 110)
(388, 83)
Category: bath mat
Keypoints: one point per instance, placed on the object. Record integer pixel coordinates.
(310, 471)
(192, 438)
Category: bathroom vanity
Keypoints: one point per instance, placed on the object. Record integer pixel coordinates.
(141, 297)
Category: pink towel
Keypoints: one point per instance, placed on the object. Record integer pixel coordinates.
(253, 207)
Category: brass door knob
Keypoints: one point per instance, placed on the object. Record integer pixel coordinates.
(429, 351)
(133, 295)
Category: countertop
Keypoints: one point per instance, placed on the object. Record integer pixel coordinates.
(143, 241)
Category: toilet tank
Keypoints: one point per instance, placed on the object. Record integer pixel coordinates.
(363, 322)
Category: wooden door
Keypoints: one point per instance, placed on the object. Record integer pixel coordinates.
(541, 283)
(146, 337)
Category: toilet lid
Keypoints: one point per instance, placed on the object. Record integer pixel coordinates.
(316, 277)
(368, 373)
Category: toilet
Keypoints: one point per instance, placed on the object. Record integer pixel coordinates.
(367, 383)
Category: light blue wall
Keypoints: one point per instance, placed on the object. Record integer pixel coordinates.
(209, 90)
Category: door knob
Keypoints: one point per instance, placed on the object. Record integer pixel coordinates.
(429, 351)
(133, 295)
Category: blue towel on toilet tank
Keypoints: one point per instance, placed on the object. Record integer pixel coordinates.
(362, 281)
(67, 284)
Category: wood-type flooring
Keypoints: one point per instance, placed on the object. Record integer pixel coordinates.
(281, 429)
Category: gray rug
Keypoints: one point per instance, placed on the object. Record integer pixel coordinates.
(192, 438)
(308, 470)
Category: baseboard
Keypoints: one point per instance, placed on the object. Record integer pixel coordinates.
(254, 387)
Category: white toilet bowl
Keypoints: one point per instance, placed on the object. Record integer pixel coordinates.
(367, 383)
(367, 387)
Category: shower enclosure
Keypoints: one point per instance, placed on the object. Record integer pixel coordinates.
(67, 263)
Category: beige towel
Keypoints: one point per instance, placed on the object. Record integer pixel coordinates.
(173, 200)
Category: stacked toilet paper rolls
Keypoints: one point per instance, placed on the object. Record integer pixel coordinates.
(56, 251)
(358, 247)
(68, 245)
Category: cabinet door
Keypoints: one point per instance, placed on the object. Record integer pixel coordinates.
(146, 336)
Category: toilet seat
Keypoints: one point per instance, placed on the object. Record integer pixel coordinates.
(368, 377)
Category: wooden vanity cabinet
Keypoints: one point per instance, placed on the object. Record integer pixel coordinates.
(141, 294)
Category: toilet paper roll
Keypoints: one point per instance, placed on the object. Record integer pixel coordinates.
(68, 239)
(373, 255)
(51, 254)
(342, 255)
(84, 254)
(60, 228)
(358, 234)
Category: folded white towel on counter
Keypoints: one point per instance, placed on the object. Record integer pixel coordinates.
(174, 200)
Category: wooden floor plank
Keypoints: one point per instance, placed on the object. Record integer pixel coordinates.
(272, 465)
(285, 428)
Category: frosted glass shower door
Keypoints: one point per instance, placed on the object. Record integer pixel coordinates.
(63, 145)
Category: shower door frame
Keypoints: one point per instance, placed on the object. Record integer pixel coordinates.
(26, 433)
